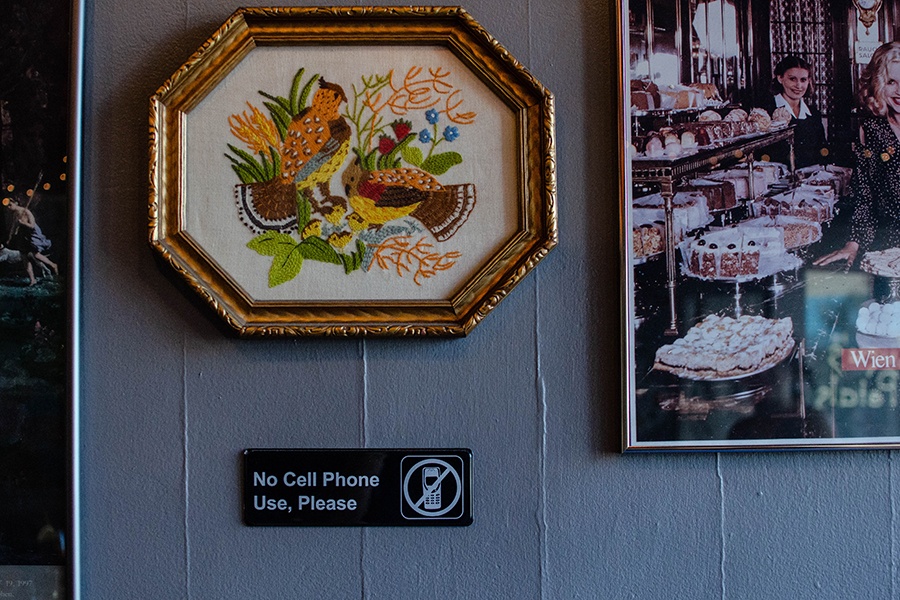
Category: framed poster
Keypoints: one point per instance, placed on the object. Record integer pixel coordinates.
(40, 104)
(760, 203)
(352, 171)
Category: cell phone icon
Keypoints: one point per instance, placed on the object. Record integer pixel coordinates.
(430, 477)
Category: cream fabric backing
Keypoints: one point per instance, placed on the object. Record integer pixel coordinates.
(489, 146)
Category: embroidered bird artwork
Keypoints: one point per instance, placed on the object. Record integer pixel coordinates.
(394, 212)
(385, 195)
(315, 145)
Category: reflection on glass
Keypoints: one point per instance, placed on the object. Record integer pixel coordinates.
(665, 65)
(714, 41)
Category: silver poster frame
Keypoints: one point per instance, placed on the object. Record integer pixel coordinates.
(631, 440)
(76, 140)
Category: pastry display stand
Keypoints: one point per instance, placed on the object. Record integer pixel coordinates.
(667, 171)
(695, 399)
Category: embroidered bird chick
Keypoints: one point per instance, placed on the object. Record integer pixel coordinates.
(315, 146)
(385, 195)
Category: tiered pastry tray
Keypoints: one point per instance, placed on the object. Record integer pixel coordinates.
(666, 171)
(647, 169)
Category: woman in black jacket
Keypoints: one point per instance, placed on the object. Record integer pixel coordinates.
(793, 87)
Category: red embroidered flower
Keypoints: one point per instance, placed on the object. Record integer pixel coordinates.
(386, 144)
(401, 128)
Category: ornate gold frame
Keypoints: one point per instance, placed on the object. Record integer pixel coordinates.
(447, 27)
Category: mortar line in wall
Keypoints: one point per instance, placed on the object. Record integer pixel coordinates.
(540, 389)
(364, 408)
(185, 471)
(363, 592)
(364, 440)
(721, 525)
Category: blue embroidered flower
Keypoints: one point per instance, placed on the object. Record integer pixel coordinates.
(451, 133)
(424, 136)
(431, 116)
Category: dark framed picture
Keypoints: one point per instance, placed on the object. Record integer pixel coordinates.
(40, 104)
(760, 207)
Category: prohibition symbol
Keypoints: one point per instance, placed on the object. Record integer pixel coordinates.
(432, 488)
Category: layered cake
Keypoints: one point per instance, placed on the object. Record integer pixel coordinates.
(710, 92)
(764, 175)
(690, 211)
(761, 118)
(885, 263)
(809, 202)
(831, 176)
(719, 194)
(802, 233)
(735, 252)
(797, 232)
(644, 94)
(680, 97)
(723, 347)
(648, 240)
(825, 178)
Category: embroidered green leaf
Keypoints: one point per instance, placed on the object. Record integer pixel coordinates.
(285, 266)
(438, 164)
(271, 243)
(353, 261)
(412, 155)
(283, 102)
(391, 160)
(304, 95)
(267, 167)
(248, 162)
(243, 173)
(315, 248)
(369, 162)
(304, 210)
(295, 90)
(280, 116)
(276, 162)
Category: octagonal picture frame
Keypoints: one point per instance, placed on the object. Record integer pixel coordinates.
(352, 171)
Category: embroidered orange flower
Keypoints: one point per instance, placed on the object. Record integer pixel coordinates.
(256, 130)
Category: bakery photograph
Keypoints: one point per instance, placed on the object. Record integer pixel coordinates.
(760, 144)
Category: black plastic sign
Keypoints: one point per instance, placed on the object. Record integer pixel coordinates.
(358, 487)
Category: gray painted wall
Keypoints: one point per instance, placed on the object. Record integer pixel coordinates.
(169, 402)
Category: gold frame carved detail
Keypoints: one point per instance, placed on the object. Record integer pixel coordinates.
(182, 239)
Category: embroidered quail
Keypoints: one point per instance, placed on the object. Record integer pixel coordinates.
(384, 195)
(316, 144)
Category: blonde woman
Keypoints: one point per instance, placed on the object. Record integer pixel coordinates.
(875, 224)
